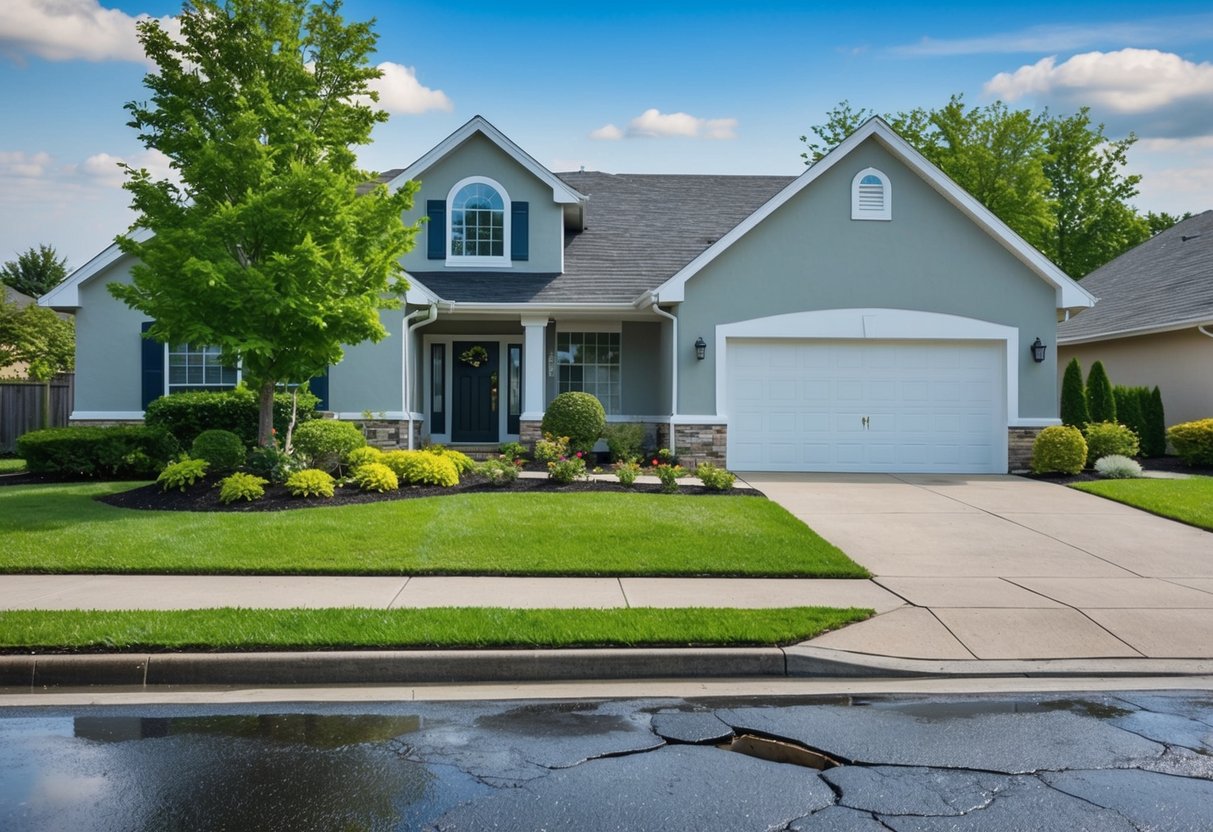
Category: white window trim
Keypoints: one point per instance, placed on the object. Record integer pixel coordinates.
(608, 327)
(886, 210)
(465, 261)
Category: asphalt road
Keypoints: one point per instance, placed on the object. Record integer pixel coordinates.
(1107, 762)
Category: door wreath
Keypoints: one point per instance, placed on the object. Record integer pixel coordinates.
(474, 356)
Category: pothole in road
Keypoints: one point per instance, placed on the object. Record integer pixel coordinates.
(779, 751)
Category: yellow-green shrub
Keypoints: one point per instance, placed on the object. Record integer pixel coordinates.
(463, 462)
(310, 482)
(375, 476)
(181, 474)
(422, 468)
(241, 487)
(361, 456)
(1193, 441)
(1059, 449)
(1109, 439)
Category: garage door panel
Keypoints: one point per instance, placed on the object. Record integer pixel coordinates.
(930, 406)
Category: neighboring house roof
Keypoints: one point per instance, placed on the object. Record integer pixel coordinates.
(11, 295)
(1069, 294)
(631, 242)
(1166, 283)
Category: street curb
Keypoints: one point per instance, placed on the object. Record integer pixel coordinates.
(41, 672)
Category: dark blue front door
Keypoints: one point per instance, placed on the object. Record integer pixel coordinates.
(474, 377)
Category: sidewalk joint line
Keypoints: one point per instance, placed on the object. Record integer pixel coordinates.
(627, 604)
(399, 592)
(968, 649)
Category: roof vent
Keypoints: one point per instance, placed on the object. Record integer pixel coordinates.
(871, 196)
(1183, 238)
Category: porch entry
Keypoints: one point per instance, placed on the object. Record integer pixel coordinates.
(475, 388)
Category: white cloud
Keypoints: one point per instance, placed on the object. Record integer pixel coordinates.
(400, 93)
(607, 133)
(653, 123)
(17, 164)
(65, 30)
(103, 168)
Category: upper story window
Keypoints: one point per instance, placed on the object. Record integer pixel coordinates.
(478, 222)
(871, 196)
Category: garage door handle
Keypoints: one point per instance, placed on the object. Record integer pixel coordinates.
(865, 422)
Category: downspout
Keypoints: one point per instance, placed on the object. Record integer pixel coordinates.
(431, 315)
(1201, 329)
(673, 367)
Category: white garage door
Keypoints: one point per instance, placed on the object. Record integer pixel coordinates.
(895, 406)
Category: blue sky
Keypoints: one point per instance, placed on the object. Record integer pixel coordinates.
(626, 87)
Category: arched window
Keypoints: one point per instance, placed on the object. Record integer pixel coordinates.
(478, 222)
(871, 196)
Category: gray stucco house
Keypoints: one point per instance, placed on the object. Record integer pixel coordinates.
(867, 315)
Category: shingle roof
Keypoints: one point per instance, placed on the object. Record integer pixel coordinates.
(640, 229)
(382, 179)
(1165, 281)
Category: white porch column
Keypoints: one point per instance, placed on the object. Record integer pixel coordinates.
(534, 380)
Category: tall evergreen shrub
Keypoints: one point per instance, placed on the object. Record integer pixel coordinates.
(1073, 397)
(1154, 438)
(1128, 407)
(1101, 405)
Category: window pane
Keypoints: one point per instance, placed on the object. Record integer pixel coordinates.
(589, 362)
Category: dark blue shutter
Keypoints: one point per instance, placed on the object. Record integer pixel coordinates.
(436, 210)
(520, 230)
(319, 385)
(153, 367)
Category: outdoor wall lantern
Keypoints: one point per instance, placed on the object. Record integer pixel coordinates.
(1038, 351)
(701, 348)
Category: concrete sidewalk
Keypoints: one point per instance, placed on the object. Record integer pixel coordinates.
(1007, 568)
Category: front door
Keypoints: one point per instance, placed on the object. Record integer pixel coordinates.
(474, 379)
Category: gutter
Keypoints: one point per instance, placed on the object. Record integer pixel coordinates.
(673, 365)
(431, 315)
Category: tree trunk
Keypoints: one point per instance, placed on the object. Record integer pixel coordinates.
(265, 415)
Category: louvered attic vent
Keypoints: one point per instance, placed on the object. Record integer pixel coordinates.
(871, 196)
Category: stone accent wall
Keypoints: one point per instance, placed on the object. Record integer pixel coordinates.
(102, 423)
(388, 434)
(694, 444)
(530, 432)
(1019, 447)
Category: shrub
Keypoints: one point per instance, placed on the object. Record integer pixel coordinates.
(713, 478)
(566, 470)
(1192, 440)
(375, 476)
(1117, 467)
(462, 462)
(1129, 411)
(1059, 449)
(498, 471)
(181, 474)
(326, 442)
(1107, 439)
(240, 486)
(627, 472)
(185, 415)
(1074, 397)
(272, 463)
(1154, 438)
(551, 448)
(422, 468)
(513, 450)
(668, 474)
(625, 440)
(1101, 404)
(118, 451)
(221, 448)
(310, 482)
(361, 456)
(579, 416)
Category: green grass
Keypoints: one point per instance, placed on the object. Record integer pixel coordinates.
(1188, 500)
(335, 629)
(60, 528)
(9, 465)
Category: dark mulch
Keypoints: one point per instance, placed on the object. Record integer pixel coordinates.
(1165, 464)
(205, 496)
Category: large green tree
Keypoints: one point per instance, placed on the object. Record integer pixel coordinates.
(38, 338)
(1057, 181)
(261, 245)
(35, 271)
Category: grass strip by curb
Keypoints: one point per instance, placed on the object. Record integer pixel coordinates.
(228, 629)
(1188, 500)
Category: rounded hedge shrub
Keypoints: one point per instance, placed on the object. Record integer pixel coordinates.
(221, 448)
(1193, 441)
(325, 442)
(422, 468)
(310, 482)
(362, 456)
(134, 451)
(579, 416)
(1059, 449)
(185, 415)
(1109, 439)
(375, 476)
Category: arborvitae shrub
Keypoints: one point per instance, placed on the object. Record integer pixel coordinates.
(1073, 397)
(1101, 404)
(1154, 440)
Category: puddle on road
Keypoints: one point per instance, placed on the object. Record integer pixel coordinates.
(941, 711)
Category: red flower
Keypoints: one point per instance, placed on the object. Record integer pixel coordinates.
(655, 462)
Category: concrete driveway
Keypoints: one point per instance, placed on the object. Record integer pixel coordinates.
(1002, 567)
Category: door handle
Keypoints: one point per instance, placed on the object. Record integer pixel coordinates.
(865, 422)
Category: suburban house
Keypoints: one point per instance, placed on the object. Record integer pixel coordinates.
(867, 315)
(1154, 322)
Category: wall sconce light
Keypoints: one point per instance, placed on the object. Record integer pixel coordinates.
(1038, 351)
(701, 348)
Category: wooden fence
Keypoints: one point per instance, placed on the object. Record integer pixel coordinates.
(21, 407)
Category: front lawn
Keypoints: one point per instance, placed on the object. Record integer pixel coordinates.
(1188, 500)
(60, 528)
(336, 629)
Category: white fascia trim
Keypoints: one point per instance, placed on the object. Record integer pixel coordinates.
(1191, 323)
(375, 415)
(561, 192)
(418, 293)
(98, 415)
(870, 324)
(1069, 293)
(684, 419)
(67, 294)
(532, 310)
(1032, 423)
